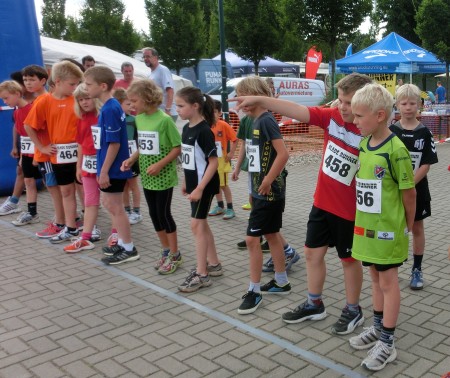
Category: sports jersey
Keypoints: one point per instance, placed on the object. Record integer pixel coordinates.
(85, 140)
(380, 233)
(113, 129)
(261, 156)
(223, 133)
(420, 144)
(57, 118)
(197, 147)
(157, 136)
(245, 133)
(335, 189)
(19, 115)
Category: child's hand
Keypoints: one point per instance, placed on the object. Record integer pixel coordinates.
(264, 188)
(235, 174)
(195, 195)
(79, 175)
(183, 189)
(154, 169)
(14, 153)
(228, 157)
(49, 149)
(103, 180)
(126, 165)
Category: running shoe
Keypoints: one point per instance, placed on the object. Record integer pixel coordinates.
(216, 211)
(247, 206)
(162, 258)
(79, 245)
(9, 207)
(193, 282)
(379, 356)
(170, 264)
(50, 231)
(348, 321)
(113, 239)
(416, 280)
(366, 339)
(121, 256)
(250, 303)
(64, 236)
(135, 218)
(229, 214)
(25, 218)
(215, 270)
(289, 260)
(96, 235)
(272, 287)
(304, 312)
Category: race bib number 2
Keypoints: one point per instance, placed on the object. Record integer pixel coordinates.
(96, 136)
(339, 164)
(368, 196)
(188, 157)
(254, 164)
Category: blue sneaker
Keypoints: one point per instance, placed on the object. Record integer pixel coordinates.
(290, 258)
(216, 211)
(416, 280)
(273, 288)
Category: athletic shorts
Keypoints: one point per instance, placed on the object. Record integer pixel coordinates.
(380, 267)
(135, 171)
(91, 191)
(29, 170)
(47, 174)
(326, 229)
(200, 209)
(266, 217)
(423, 209)
(117, 186)
(223, 169)
(66, 174)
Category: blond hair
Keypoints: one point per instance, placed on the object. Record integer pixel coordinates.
(81, 92)
(102, 75)
(66, 70)
(375, 97)
(148, 91)
(120, 94)
(408, 91)
(351, 83)
(11, 86)
(253, 86)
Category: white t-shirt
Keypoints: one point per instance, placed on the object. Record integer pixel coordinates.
(163, 78)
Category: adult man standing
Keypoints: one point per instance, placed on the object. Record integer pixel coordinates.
(163, 78)
(127, 70)
(440, 93)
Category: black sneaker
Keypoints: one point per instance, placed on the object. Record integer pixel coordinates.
(111, 251)
(265, 246)
(242, 245)
(304, 312)
(251, 302)
(348, 322)
(273, 288)
(122, 257)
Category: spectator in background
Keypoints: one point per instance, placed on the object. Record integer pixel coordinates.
(88, 61)
(127, 70)
(163, 78)
(440, 93)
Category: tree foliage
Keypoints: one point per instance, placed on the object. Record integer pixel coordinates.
(101, 23)
(399, 17)
(252, 28)
(178, 30)
(53, 18)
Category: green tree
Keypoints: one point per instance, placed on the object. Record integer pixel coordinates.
(101, 23)
(54, 19)
(178, 30)
(399, 17)
(329, 21)
(435, 31)
(213, 47)
(252, 28)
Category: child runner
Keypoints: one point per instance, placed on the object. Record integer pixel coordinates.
(331, 219)
(111, 142)
(158, 148)
(201, 181)
(134, 215)
(420, 144)
(267, 156)
(11, 94)
(224, 135)
(386, 201)
(87, 109)
(52, 126)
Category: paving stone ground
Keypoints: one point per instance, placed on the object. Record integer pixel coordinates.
(71, 316)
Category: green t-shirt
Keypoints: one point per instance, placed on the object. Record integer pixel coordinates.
(380, 233)
(245, 133)
(161, 127)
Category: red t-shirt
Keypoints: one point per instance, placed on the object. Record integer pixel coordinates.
(19, 116)
(335, 189)
(84, 137)
(121, 83)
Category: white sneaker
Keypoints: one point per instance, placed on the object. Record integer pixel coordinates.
(9, 207)
(380, 355)
(134, 218)
(25, 218)
(96, 234)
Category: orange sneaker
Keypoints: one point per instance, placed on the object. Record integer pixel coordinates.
(79, 245)
(51, 230)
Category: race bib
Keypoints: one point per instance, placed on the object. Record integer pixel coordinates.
(416, 158)
(89, 163)
(188, 157)
(248, 143)
(148, 142)
(254, 164)
(132, 147)
(26, 145)
(66, 153)
(96, 135)
(368, 196)
(339, 164)
(219, 149)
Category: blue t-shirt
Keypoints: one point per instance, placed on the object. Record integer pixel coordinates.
(440, 93)
(113, 129)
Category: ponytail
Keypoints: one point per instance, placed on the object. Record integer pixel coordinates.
(194, 95)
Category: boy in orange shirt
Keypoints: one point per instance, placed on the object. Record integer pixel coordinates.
(223, 134)
(52, 126)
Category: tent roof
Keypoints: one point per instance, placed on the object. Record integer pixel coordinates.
(393, 54)
(269, 65)
(53, 50)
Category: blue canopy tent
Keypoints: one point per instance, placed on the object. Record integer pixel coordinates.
(268, 66)
(393, 54)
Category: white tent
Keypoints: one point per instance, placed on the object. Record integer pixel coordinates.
(53, 50)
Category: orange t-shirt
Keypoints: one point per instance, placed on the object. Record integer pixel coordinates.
(224, 133)
(54, 120)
